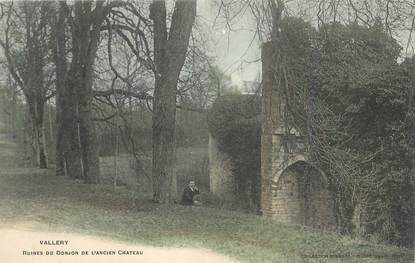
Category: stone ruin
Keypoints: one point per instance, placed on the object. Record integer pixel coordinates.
(292, 189)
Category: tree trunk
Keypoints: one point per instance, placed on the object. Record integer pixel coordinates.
(43, 158)
(68, 145)
(85, 37)
(90, 158)
(39, 153)
(30, 76)
(61, 97)
(169, 56)
(13, 106)
(68, 154)
(164, 113)
(34, 89)
(61, 137)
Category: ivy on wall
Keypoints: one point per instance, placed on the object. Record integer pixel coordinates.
(235, 122)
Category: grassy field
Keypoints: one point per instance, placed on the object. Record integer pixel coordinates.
(60, 204)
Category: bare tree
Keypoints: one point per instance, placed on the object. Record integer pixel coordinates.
(68, 155)
(85, 24)
(27, 59)
(170, 47)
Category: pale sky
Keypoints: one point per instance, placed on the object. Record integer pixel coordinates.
(234, 51)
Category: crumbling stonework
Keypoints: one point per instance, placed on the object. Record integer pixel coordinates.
(292, 190)
(301, 196)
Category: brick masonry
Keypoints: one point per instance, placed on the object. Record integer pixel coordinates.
(292, 190)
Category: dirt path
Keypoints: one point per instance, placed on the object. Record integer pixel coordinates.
(21, 242)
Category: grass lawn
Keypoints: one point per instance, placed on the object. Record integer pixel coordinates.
(66, 205)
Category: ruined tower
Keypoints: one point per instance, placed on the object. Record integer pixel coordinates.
(292, 189)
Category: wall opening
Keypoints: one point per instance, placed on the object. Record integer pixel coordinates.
(301, 196)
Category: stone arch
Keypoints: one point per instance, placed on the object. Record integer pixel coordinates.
(287, 163)
(300, 195)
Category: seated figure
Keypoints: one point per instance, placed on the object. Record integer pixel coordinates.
(188, 194)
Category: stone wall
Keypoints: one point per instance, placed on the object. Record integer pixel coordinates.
(221, 178)
(301, 196)
(292, 191)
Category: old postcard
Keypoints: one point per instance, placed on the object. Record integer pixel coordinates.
(215, 131)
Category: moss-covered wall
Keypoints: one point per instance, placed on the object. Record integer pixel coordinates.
(235, 148)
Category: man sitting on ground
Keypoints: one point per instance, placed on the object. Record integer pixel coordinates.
(188, 194)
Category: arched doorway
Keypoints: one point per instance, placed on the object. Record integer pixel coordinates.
(300, 195)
